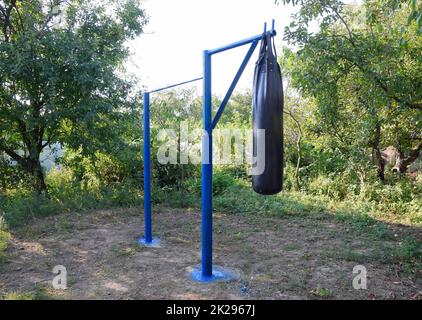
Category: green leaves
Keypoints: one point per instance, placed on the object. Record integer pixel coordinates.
(362, 70)
(58, 64)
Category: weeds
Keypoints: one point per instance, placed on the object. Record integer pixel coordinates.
(4, 242)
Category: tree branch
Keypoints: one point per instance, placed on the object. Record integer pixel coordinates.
(349, 31)
(298, 147)
(11, 153)
(7, 23)
(20, 17)
(413, 155)
(376, 78)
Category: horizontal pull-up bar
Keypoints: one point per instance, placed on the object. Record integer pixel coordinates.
(240, 43)
(148, 240)
(175, 85)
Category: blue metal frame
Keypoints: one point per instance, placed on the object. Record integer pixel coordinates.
(148, 240)
(208, 272)
(147, 170)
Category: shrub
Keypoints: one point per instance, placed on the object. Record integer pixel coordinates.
(221, 182)
(4, 242)
(336, 187)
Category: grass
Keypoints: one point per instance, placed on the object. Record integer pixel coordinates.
(360, 214)
(19, 296)
(38, 293)
(121, 251)
(321, 292)
(365, 219)
(409, 254)
(19, 209)
(4, 242)
(230, 196)
(373, 220)
(347, 254)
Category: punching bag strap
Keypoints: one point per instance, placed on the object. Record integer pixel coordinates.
(270, 46)
(262, 49)
(273, 46)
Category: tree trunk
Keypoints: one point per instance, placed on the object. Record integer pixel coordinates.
(35, 170)
(376, 154)
(402, 162)
(31, 164)
(41, 186)
(299, 158)
(298, 148)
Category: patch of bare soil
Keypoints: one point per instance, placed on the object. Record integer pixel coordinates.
(285, 258)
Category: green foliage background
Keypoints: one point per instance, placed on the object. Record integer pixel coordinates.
(360, 72)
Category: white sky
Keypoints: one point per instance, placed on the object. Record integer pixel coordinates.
(178, 31)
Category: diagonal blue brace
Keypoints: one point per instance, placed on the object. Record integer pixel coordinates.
(233, 84)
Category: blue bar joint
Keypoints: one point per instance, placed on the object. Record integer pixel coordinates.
(240, 43)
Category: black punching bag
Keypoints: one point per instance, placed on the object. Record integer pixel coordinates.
(267, 114)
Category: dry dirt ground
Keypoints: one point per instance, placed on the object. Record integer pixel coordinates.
(277, 258)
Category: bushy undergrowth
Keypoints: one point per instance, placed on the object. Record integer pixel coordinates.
(398, 201)
(4, 241)
(66, 194)
(367, 211)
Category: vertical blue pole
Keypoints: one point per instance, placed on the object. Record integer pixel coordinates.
(147, 171)
(207, 171)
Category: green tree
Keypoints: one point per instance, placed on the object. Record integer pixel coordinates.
(362, 68)
(61, 75)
